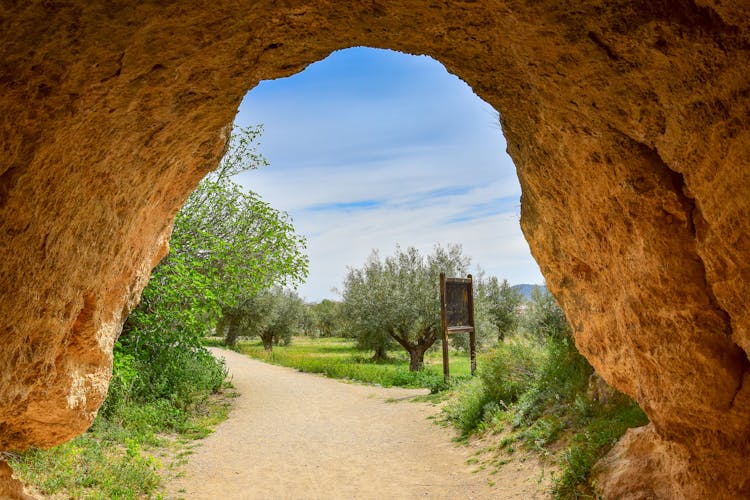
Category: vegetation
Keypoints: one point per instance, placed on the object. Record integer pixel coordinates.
(533, 388)
(326, 317)
(340, 358)
(272, 315)
(501, 302)
(397, 300)
(227, 247)
(227, 244)
(116, 457)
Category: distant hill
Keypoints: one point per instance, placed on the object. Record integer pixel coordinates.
(525, 290)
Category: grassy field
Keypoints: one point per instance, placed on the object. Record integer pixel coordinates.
(338, 358)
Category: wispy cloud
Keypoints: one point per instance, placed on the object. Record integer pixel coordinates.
(349, 207)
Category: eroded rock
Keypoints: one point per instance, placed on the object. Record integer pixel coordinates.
(10, 487)
(627, 121)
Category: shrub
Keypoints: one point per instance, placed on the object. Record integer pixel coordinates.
(467, 409)
(511, 369)
(154, 391)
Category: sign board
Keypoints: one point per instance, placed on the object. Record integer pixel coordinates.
(457, 315)
(457, 291)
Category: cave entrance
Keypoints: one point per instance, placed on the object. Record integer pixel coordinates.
(624, 120)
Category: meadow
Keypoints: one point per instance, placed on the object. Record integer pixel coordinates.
(337, 357)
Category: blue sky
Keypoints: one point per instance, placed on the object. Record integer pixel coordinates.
(372, 148)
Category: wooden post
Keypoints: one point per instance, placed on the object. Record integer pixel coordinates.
(473, 331)
(444, 323)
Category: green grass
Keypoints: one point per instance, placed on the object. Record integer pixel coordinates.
(338, 358)
(593, 439)
(115, 457)
(534, 393)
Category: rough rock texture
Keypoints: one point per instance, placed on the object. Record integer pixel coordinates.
(643, 465)
(628, 122)
(10, 487)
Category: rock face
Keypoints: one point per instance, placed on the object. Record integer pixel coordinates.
(10, 487)
(628, 122)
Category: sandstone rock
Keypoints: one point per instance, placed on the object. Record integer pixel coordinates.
(642, 465)
(10, 487)
(628, 122)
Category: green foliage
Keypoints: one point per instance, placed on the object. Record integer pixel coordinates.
(339, 358)
(327, 317)
(468, 408)
(89, 468)
(398, 299)
(544, 317)
(501, 303)
(599, 432)
(114, 458)
(227, 244)
(511, 369)
(273, 315)
(538, 382)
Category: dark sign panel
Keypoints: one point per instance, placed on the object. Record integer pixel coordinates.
(457, 303)
(457, 316)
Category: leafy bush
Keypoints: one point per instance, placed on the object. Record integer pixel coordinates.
(562, 376)
(511, 369)
(541, 381)
(600, 432)
(468, 408)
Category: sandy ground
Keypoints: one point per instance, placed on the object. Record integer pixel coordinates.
(295, 435)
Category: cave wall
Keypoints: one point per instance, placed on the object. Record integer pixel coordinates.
(627, 121)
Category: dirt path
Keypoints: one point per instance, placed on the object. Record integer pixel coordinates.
(295, 435)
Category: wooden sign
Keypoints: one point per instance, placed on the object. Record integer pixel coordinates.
(457, 315)
(457, 293)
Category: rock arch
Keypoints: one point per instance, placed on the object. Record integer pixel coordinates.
(627, 121)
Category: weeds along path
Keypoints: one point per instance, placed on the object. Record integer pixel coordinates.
(296, 435)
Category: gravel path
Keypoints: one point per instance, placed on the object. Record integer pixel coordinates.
(296, 435)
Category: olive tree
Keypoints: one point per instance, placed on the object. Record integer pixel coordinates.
(273, 315)
(501, 302)
(544, 318)
(327, 317)
(397, 299)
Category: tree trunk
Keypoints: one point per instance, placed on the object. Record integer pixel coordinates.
(268, 343)
(380, 354)
(232, 332)
(416, 358)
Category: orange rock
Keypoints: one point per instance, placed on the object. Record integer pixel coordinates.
(627, 121)
(10, 487)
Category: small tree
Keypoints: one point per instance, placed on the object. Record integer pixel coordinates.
(398, 299)
(226, 243)
(544, 317)
(307, 320)
(501, 303)
(327, 317)
(272, 315)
